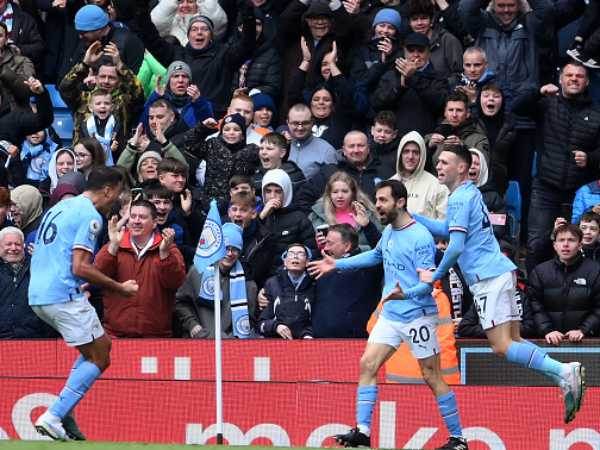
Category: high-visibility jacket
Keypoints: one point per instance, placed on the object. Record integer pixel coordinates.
(402, 367)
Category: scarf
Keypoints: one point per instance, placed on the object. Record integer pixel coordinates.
(39, 158)
(240, 319)
(106, 138)
(178, 101)
(7, 17)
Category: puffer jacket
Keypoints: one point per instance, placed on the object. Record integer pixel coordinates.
(263, 70)
(565, 298)
(288, 305)
(586, 198)
(564, 125)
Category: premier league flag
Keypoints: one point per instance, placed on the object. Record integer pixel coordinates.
(211, 246)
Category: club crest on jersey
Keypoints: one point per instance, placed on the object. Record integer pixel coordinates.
(95, 228)
(210, 239)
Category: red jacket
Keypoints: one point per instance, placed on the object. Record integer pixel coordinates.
(149, 313)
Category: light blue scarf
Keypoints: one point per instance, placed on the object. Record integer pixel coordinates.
(240, 318)
(104, 139)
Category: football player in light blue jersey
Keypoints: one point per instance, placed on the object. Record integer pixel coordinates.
(490, 275)
(61, 263)
(409, 313)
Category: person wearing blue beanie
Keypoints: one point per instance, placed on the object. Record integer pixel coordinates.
(388, 16)
(90, 18)
(232, 235)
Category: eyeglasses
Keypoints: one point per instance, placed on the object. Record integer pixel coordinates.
(304, 124)
(299, 254)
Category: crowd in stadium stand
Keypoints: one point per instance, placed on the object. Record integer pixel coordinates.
(289, 113)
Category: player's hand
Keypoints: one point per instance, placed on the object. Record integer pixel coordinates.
(186, 201)
(359, 214)
(93, 53)
(322, 267)
(425, 276)
(129, 288)
(574, 335)
(284, 332)
(580, 158)
(196, 331)
(395, 294)
(554, 337)
(262, 299)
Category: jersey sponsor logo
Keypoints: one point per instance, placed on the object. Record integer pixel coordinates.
(95, 228)
(210, 239)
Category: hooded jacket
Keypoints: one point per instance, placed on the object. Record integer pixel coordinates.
(286, 225)
(169, 23)
(149, 312)
(426, 196)
(30, 202)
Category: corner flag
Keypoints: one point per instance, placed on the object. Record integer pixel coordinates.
(211, 246)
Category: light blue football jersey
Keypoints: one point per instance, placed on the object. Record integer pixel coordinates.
(481, 257)
(402, 252)
(70, 224)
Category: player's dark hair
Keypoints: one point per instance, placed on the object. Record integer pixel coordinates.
(146, 204)
(347, 233)
(569, 228)
(396, 186)
(459, 150)
(590, 217)
(101, 176)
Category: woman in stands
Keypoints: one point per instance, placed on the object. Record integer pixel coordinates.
(89, 153)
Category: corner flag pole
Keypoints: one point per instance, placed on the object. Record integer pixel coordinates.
(218, 355)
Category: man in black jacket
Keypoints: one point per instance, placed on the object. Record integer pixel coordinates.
(565, 291)
(568, 152)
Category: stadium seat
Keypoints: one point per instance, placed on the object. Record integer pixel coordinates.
(63, 120)
(513, 201)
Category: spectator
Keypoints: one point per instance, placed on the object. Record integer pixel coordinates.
(590, 230)
(36, 152)
(357, 161)
(264, 110)
(344, 202)
(290, 295)
(262, 72)
(286, 224)
(273, 155)
(29, 202)
(21, 31)
(100, 123)
(568, 127)
(474, 76)
(96, 31)
(212, 62)
(172, 18)
(426, 196)
(345, 300)
(334, 101)
(151, 258)
(61, 163)
(17, 319)
(14, 69)
(383, 142)
(412, 88)
(458, 127)
(89, 154)
(587, 198)
(195, 299)
(257, 250)
(500, 131)
(185, 98)
(147, 166)
(565, 291)
(111, 75)
(445, 49)
(307, 151)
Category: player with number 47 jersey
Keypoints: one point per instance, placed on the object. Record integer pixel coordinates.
(409, 313)
(490, 276)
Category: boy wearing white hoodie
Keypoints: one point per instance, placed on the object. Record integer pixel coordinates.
(426, 196)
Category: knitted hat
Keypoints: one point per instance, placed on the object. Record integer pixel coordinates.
(232, 235)
(90, 18)
(261, 100)
(200, 18)
(146, 155)
(388, 15)
(235, 118)
(178, 67)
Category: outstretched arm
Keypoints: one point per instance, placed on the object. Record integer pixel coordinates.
(438, 228)
(456, 246)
